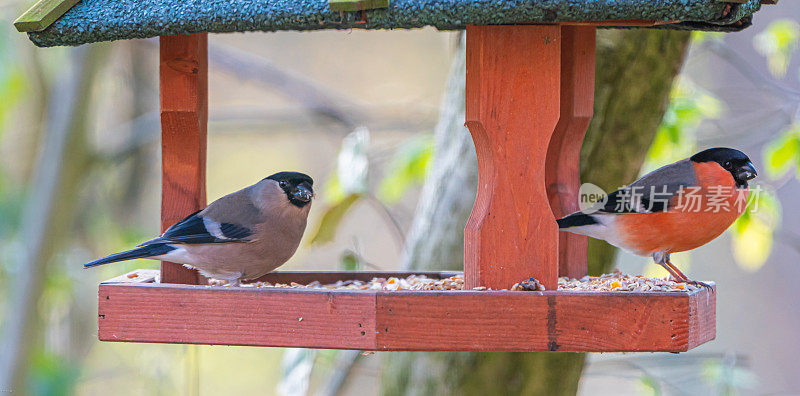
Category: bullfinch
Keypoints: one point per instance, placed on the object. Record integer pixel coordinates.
(675, 208)
(240, 236)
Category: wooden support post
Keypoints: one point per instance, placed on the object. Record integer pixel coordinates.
(563, 154)
(512, 107)
(184, 117)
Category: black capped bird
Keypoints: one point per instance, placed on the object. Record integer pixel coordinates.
(240, 236)
(675, 208)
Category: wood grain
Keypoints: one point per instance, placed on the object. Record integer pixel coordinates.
(461, 321)
(548, 321)
(703, 319)
(185, 314)
(184, 117)
(512, 106)
(42, 14)
(395, 321)
(563, 154)
(356, 5)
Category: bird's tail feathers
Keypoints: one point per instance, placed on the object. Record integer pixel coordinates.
(576, 219)
(140, 252)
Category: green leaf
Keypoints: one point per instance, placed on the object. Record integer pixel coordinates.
(777, 43)
(409, 166)
(649, 386)
(689, 105)
(783, 153)
(752, 233)
(717, 374)
(333, 191)
(349, 261)
(698, 37)
(52, 375)
(326, 230)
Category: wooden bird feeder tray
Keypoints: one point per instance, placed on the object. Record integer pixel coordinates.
(138, 310)
(529, 99)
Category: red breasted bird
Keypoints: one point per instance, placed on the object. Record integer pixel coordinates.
(675, 208)
(240, 236)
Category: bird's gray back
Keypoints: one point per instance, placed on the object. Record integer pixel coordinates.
(674, 176)
(235, 208)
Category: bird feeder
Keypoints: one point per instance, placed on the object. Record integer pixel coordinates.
(529, 98)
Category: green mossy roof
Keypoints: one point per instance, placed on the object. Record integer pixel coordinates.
(105, 20)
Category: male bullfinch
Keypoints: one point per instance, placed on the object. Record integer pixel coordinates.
(240, 236)
(675, 208)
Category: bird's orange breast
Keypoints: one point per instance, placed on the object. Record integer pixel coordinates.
(696, 216)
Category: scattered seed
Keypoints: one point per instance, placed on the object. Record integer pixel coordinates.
(615, 281)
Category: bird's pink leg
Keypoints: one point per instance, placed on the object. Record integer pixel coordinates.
(676, 273)
(671, 271)
(683, 278)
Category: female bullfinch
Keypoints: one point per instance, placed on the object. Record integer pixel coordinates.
(240, 236)
(675, 208)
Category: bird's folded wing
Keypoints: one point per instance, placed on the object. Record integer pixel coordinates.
(197, 229)
(654, 192)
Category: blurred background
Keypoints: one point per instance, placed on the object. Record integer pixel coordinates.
(370, 115)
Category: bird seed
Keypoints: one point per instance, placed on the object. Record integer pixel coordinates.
(615, 281)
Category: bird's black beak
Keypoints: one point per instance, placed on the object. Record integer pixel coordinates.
(302, 193)
(746, 172)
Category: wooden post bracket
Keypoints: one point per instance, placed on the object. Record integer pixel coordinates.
(530, 92)
(563, 154)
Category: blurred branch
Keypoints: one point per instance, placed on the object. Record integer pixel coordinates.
(233, 119)
(399, 233)
(51, 204)
(321, 101)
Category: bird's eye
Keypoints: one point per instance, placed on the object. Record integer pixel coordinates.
(282, 183)
(727, 164)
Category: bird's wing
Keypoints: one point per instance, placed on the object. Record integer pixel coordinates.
(197, 229)
(653, 192)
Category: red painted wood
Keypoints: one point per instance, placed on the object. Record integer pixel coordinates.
(703, 319)
(563, 153)
(549, 321)
(462, 321)
(426, 320)
(184, 116)
(512, 106)
(184, 314)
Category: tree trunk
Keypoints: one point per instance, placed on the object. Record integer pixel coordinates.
(635, 69)
(49, 212)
